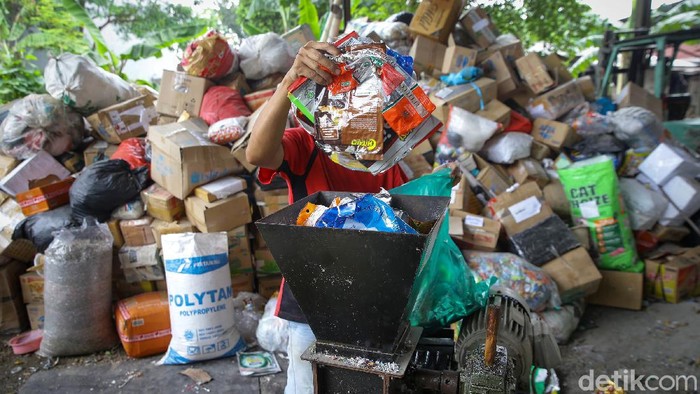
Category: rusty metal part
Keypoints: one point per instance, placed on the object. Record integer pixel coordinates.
(494, 314)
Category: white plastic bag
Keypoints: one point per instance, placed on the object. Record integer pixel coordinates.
(506, 148)
(272, 331)
(638, 127)
(563, 322)
(468, 130)
(247, 312)
(265, 54)
(645, 206)
(132, 210)
(80, 84)
(200, 297)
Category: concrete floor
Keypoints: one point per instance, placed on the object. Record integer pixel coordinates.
(663, 339)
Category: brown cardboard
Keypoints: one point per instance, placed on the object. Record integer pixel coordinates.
(46, 197)
(161, 285)
(415, 166)
(463, 96)
(670, 234)
(478, 232)
(554, 134)
(523, 96)
(521, 208)
(161, 204)
(97, 151)
(427, 54)
(540, 151)
(587, 87)
(457, 57)
(137, 232)
(529, 170)
(533, 71)
(492, 177)
(620, 290)
(269, 284)
(32, 287)
(557, 69)
(40, 166)
(496, 67)
(583, 235)
(239, 253)
(671, 278)
(7, 164)
(575, 274)
(35, 312)
(633, 95)
(180, 92)
(497, 112)
(271, 201)
(557, 102)
(13, 314)
(183, 158)
(116, 231)
(479, 26)
(511, 52)
(435, 18)
(222, 215)
(243, 282)
(555, 196)
(265, 263)
(464, 199)
(128, 119)
(161, 227)
(220, 188)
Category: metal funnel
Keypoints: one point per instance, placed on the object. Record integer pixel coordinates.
(352, 285)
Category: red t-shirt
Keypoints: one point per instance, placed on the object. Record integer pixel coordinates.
(308, 170)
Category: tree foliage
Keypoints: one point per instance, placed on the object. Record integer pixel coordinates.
(379, 10)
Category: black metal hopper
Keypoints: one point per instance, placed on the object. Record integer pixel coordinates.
(352, 285)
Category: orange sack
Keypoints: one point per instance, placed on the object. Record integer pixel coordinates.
(143, 324)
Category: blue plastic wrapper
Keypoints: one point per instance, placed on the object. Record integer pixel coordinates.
(365, 213)
(406, 62)
(466, 75)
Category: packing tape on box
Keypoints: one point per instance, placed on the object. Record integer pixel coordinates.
(481, 95)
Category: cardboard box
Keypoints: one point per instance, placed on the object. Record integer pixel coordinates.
(520, 209)
(457, 57)
(523, 97)
(492, 177)
(271, 201)
(540, 151)
(38, 169)
(554, 134)
(555, 196)
(667, 161)
(13, 314)
(525, 170)
(496, 67)
(298, 37)
(7, 164)
(575, 274)
(222, 215)
(633, 95)
(557, 102)
(435, 19)
(46, 197)
(428, 55)
(463, 198)
(265, 263)
(477, 232)
(183, 158)
(415, 166)
(533, 71)
(161, 285)
(180, 92)
(161, 204)
(583, 235)
(128, 119)
(672, 277)
(116, 231)
(137, 232)
(160, 227)
(98, 151)
(497, 112)
(124, 289)
(35, 312)
(510, 51)
(557, 69)
(243, 282)
(670, 234)
(587, 87)
(221, 188)
(268, 285)
(239, 253)
(165, 119)
(32, 288)
(479, 26)
(464, 96)
(620, 290)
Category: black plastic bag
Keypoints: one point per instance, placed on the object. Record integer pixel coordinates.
(105, 186)
(40, 228)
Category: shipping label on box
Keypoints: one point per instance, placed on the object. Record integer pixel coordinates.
(161, 204)
(180, 92)
(478, 25)
(575, 274)
(557, 102)
(221, 215)
(533, 71)
(620, 290)
(137, 232)
(32, 288)
(554, 134)
(497, 68)
(128, 119)
(183, 158)
(521, 208)
(45, 198)
(36, 316)
(478, 232)
(435, 18)
(36, 168)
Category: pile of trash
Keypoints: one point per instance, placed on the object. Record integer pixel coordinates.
(565, 198)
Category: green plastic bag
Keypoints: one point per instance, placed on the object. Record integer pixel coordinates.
(591, 186)
(444, 290)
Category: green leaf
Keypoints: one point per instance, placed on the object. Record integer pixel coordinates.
(308, 15)
(175, 35)
(80, 15)
(250, 29)
(140, 51)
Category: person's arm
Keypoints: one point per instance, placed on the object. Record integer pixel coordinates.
(265, 144)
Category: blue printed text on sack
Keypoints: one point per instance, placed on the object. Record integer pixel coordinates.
(201, 298)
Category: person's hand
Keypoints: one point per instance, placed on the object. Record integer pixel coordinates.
(311, 63)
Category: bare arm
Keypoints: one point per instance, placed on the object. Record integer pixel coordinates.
(265, 144)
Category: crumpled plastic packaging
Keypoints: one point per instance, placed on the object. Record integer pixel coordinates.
(40, 122)
(506, 148)
(132, 210)
(563, 322)
(209, 56)
(265, 54)
(645, 206)
(467, 130)
(272, 333)
(228, 130)
(247, 312)
(532, 283)
(637, 127)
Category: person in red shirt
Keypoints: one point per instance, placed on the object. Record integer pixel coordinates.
(293, 155)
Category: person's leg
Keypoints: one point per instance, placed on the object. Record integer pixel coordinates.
(299, 375)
